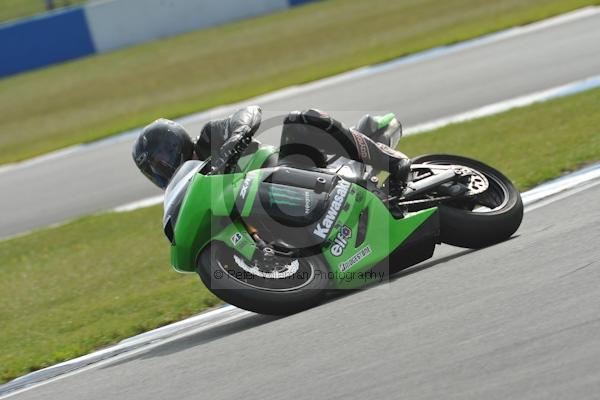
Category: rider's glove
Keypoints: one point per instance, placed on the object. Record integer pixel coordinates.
(231, 150)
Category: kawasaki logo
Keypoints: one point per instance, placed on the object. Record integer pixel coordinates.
(324, 226)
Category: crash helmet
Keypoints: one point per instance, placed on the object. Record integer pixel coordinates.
(160, 149)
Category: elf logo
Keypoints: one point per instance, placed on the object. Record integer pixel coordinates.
(324, 226)
(341, 240)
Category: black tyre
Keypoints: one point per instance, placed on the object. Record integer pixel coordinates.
(226, 274)
(485, 219)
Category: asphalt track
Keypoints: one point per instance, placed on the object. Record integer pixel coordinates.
(516, 320)
(103, 176)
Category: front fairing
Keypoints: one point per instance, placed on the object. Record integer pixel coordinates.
(207, 198)
(204, 213)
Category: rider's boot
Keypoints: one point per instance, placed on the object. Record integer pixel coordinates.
(401, 172)
(399, 167)
(384, 129)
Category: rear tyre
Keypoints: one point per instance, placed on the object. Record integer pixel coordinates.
(226, 274)
(468, 223)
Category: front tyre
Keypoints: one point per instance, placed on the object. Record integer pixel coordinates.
(293, 286)
(485, 219)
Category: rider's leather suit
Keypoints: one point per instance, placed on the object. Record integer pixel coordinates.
(308, 137)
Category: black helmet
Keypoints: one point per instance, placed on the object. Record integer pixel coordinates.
(160, 149)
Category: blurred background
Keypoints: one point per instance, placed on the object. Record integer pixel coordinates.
(14, 9)
(79, 78)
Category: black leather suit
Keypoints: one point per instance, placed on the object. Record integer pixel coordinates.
(308, 137)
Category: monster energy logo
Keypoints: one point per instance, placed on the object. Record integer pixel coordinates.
(282, 196)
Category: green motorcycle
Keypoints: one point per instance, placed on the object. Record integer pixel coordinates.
(275, 239)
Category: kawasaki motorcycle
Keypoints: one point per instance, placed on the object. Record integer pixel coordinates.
(275, 239)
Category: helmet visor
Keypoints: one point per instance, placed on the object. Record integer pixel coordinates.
(160, 165)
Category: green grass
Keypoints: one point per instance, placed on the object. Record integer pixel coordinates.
(94, 97)
(67, 290)
(13, 9)
(531, 144)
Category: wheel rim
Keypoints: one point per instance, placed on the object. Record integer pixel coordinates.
(494, 198)
(289, 274)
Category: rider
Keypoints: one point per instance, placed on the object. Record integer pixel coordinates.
(164, 145)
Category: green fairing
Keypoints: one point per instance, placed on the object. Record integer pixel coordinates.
(210, 198)
(245, 245)
(251, 196)
(384, 234)
(257, 160)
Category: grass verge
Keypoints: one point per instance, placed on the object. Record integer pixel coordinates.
(67, 290)
(94, 97)
(13, 9)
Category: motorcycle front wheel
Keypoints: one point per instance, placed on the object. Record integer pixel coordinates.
(284, 288)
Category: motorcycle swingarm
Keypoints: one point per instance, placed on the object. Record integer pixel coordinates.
(414, 189)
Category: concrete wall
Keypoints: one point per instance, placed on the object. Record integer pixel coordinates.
(111, 24)
(119, 23)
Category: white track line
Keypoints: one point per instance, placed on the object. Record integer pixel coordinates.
(125, 348)
(291, 91)
(148, 202)
(540, 196)
(505, 105)
(560, 188)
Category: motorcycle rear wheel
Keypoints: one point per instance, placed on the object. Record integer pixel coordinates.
(467, 223)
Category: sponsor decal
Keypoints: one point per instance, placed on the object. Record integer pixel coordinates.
(388, 150)
(245, 187)
(361, 143)
(339, 198)
(235, 238)
(341, 240)
(349, 263)
(307, 202)
(285, 196)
